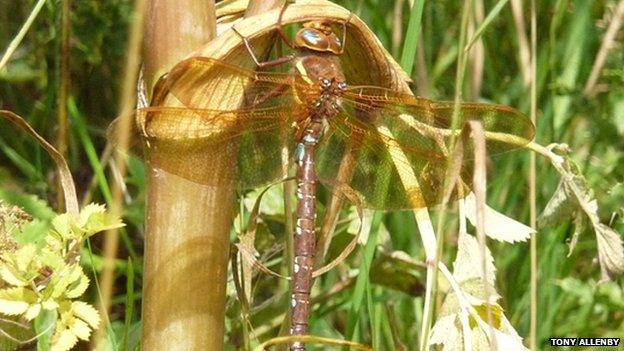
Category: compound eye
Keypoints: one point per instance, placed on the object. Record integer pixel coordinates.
(325, 82)
(342, 85)
(311, 36)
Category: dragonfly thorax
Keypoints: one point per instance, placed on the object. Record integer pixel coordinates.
(327, 104)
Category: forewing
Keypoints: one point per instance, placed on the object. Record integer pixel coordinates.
(242, 148)
(206, 83)
(231, 129)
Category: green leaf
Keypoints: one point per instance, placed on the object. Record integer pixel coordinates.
(53, 259)
(44, 328)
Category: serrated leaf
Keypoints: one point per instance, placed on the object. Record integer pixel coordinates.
(24, 256)
(64, 278)
(560, 208)
(81, 329)
(87, 313)
(9, 276)
(78, 287)
(496, 225)
(33, 311)
(62, 224)
(50, 304)
(52, 259)
(63, 340)
(446, 332)
(90, 212)
(14, 301)
(94, 219)
(579, 225)
(610, 252)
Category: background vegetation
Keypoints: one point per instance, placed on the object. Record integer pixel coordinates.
(588, 117)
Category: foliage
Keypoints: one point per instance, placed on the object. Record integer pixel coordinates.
(47, 276)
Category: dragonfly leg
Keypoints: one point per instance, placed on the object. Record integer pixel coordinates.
(280, 28)
(262, 98)
(261, 64)
(344, 33)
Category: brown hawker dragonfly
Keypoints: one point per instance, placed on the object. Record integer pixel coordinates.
(313, 116)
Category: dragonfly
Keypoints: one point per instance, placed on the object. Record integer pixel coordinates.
(313, 116)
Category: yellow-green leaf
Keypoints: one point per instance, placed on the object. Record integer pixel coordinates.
(63, 340)
(93, 219)
(91, 213)
(64, 278)
(87, 313)
(77, 287)
(33, 311)
(10, 276)
(80, 329)
(24, 256)
(62, 225)
(13, 301)
(50, 304)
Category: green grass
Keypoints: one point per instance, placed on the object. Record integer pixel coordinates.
(569, 34)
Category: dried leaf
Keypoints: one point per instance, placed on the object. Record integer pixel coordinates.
(446, 332)
(482, 297)
(468, 263)
(573, 193)
(559, 209)
(579, 226)
(610, 252)
(497, 225)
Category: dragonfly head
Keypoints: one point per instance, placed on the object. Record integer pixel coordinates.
(318, 36)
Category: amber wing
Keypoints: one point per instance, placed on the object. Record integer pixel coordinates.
(235, 126)
(393, 149)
